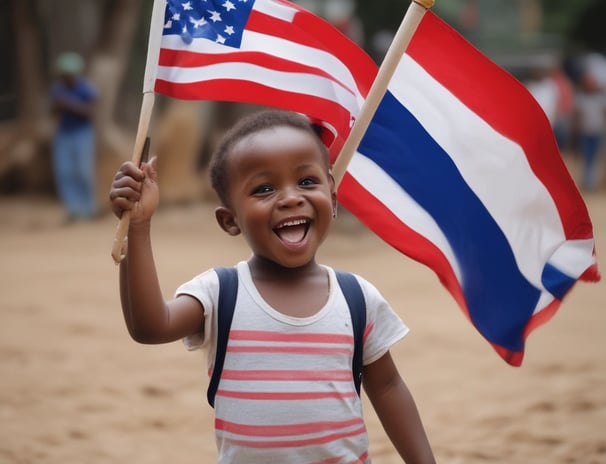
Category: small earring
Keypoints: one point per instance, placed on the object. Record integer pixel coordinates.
(334, 213)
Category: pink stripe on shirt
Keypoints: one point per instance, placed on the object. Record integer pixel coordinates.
(285, 429)
(294, 375)
(288, 349)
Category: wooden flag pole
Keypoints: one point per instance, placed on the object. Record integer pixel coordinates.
(407, 28)
(147, 105)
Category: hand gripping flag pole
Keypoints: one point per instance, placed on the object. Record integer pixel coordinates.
(407, 28)
(153, 51)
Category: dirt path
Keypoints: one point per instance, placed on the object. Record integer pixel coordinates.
(75, 389)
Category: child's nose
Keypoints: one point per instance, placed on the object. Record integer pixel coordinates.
(290, 197)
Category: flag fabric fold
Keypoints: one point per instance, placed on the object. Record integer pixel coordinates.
(459, 170)
(265, 52)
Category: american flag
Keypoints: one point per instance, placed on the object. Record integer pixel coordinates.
(265, 52)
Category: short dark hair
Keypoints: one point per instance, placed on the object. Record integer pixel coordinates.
(256, 122)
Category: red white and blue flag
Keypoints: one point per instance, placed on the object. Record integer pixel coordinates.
(459, 169)
(265, 52)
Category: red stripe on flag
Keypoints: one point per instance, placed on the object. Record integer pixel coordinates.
(251, 92)
(185, 59)
(312, 31)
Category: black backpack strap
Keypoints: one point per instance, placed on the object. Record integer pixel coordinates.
(228, 291)
(357, 308)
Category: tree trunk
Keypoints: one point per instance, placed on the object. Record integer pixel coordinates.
(24, 142)
(110, 56)
(108, 64)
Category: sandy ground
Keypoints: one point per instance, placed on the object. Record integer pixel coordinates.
(75, 389)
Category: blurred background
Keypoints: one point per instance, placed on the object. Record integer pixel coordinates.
(536, 40)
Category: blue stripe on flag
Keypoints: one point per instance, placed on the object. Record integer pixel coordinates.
(500, 300)
(556, 282)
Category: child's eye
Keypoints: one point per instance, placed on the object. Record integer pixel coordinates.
(262, 189)
(308, 181)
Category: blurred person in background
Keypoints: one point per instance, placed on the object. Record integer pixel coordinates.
(72, 101)
(544, 89)
(590, 123)
(564, 107)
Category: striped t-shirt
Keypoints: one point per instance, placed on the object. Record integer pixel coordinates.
(286, 393)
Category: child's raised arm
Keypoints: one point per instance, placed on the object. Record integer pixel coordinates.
(148, 317)
(397, 410)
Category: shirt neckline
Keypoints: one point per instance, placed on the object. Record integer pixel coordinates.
(246, 278)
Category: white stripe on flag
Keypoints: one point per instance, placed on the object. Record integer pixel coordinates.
(303, 83)
(571, 257)
(399, 202)
(277, 10)
(271, 46)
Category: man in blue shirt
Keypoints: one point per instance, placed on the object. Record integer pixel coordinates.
(72, 100)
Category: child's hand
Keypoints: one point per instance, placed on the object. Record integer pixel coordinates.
(136, 190)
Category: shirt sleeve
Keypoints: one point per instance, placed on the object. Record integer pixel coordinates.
(383, 326)
(205, 289)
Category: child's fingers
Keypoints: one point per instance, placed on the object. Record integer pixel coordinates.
(122, 181)
(124, 194)
(121, 204)
(129, 169)
(129, 192)
(126, 188)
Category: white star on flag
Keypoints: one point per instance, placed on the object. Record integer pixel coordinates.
(229, 5)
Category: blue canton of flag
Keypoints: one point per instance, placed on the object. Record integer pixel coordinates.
(221, 21)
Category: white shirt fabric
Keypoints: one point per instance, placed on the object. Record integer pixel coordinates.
(286, 393)
(591, 109)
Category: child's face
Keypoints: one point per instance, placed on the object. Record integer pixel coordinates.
(282, 196)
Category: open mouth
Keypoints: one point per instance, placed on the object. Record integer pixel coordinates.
(293, 231)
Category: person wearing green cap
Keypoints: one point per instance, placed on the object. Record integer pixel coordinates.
(72, 100)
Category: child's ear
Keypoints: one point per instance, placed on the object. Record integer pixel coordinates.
(226, 220)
